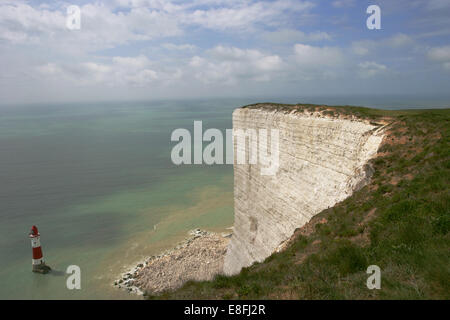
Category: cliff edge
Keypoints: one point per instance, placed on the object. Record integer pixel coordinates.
(322, 160)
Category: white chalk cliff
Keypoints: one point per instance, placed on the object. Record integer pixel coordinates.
(322, 161)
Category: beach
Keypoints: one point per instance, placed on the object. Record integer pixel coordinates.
(199, 257)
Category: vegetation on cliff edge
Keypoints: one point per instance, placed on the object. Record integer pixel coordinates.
(400, 222)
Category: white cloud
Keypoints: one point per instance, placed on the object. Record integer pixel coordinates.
(292, 35)
(128, 71)
(364, 47)
(20, 23)
(439, 54)
(179, 47)
(230, 64)
(109, 24)
(222, 65)
(138, 62)
(369, 69)
(245, 15)
(398, 40)
(317, 57)
(197, 61)
(100, 26)
(49, 69)
(313, 62)
(343, 3)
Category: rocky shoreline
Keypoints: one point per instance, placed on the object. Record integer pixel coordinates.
(199, 257)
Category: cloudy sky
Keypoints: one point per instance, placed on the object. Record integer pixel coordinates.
(152, 49)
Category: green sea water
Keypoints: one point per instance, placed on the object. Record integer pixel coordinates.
(98, 181)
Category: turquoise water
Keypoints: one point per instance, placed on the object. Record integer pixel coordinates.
(98, 182)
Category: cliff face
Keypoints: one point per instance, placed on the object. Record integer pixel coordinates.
(322, 160)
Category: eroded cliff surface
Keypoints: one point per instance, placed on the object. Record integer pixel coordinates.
(322, 160)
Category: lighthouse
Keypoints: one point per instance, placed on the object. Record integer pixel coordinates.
(38, 259)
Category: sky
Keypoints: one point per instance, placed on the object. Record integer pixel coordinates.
(158, 49)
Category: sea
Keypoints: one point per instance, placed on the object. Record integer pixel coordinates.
(98, 181)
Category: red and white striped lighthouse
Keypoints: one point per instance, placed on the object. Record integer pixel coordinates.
(38, 259)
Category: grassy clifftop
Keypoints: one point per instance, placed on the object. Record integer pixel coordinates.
(400, 222)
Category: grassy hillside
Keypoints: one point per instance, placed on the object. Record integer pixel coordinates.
(400, 222)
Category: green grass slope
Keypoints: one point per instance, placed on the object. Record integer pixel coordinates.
(400, 222)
